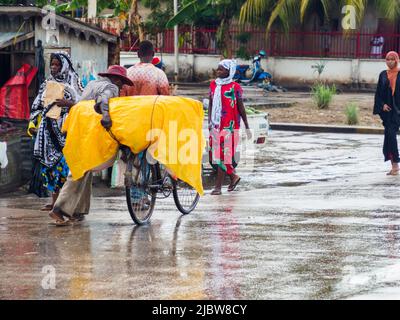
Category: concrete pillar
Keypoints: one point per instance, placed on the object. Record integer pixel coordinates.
(355, 72)
(176, 48)
(191, 61)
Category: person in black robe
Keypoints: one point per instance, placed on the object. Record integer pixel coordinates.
(387, 106)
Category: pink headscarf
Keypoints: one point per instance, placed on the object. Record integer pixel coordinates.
(392, 73)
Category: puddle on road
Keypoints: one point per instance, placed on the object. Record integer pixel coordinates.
(292, 184)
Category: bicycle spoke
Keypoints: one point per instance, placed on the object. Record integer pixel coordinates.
(140, 197)
(185, 196)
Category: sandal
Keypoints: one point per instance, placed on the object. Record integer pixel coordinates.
(78, 217)
(59, 218)
(216, 192)
(47, 207)
(233, 186)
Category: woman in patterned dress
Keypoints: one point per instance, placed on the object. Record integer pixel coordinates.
(49, 140)
(225, 111)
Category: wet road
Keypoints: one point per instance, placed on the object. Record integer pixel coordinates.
(315, 217)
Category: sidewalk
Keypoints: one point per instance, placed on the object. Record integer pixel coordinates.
(253, 96)
(325, 128)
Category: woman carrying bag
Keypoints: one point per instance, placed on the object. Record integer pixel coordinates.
(49, 116)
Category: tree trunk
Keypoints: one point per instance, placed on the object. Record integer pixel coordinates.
(228, 42)
(228, 39)
(135, 20)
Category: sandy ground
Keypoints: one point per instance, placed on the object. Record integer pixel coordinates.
(304, 109)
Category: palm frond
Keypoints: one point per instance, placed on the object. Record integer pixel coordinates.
(276, 12)
(254, 11)
(390, 9)
(326, 5)
(303, 8)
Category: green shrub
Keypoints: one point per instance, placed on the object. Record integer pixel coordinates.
(319, 68)
(243, 53)
(352, 113)
(323, 95)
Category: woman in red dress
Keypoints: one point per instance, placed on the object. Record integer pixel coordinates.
(225, 111)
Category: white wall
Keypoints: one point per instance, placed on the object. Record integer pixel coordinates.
(292, 71)
(300, 70)
(83, 52)
(370, 70)
(286, 71)
(339, 71)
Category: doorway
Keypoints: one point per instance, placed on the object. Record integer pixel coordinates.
(5, 68)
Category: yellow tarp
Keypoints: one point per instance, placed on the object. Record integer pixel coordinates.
(176, 140)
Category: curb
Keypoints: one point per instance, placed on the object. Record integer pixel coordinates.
(325, 128)
(268, 105)
(191, 84)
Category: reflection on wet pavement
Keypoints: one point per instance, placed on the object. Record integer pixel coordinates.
(315, 218)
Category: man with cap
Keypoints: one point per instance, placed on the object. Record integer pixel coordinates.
(74, 198)
(108, 86)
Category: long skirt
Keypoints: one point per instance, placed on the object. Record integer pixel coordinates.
(223, 146)
(390, 146)
(55, 177)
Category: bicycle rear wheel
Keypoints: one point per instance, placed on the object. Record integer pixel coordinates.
(185, 197)
(140, 191)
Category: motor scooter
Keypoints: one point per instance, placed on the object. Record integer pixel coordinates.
(257, 72)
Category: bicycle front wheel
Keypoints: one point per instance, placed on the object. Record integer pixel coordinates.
(141, 193)
(185, 197)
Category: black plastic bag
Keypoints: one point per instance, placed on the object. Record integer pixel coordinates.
(36, 184)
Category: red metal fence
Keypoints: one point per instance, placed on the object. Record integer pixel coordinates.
(191, 40)
(332, 44)
(203, 40)
(278, 44)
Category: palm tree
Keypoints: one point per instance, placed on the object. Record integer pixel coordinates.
(288, 12)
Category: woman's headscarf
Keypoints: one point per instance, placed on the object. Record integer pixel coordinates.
(392, 73)
(217, 99)
(67, 75)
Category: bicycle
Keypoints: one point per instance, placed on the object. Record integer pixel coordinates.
(146, 182)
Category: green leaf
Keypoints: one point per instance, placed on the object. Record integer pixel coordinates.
(62, 8)
(185, 13)
(188, 11)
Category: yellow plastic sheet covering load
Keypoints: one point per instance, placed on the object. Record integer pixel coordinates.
(170, 127)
